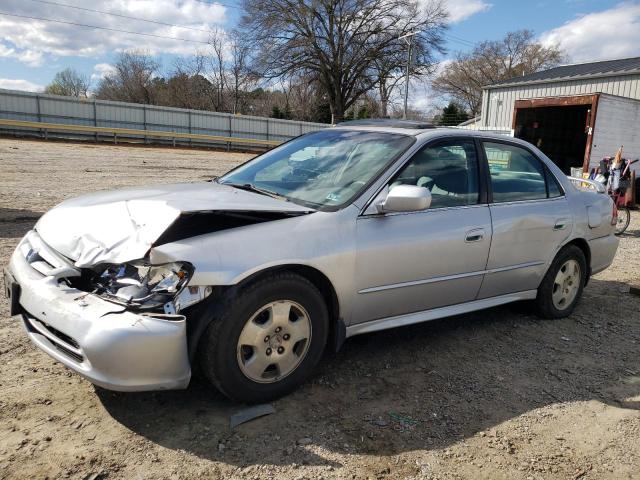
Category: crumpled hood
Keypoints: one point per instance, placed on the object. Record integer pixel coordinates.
(122, 225)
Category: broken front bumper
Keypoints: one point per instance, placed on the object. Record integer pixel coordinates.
(111, 347)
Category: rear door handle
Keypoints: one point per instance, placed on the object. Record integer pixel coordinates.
(560, 224)
(475, 235)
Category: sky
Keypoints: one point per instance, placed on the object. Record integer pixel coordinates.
(33, 49)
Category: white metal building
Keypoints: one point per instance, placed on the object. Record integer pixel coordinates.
(576, 114)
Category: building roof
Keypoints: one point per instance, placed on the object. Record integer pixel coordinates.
(607, 68)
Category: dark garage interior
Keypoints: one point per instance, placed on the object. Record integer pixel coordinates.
(559, 131)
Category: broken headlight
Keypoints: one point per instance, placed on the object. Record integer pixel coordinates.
(138, 284)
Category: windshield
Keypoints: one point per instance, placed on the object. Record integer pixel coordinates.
(325, 169)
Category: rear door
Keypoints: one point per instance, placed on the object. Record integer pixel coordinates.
(414, 261)
(530, 216)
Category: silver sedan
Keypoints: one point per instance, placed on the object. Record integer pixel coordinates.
(336, 233)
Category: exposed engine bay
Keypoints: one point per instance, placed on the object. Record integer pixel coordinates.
(140, 286)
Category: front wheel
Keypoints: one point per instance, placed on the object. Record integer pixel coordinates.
(267, 340)
(562, 285)
(624, 217)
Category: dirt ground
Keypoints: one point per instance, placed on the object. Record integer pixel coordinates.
(497, 394)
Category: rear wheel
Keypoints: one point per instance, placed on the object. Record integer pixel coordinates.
(268, 339)
(624, 217)
(562, 286)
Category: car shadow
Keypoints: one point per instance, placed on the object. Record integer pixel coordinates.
(631, 234)
(420, 387)
(14, 223)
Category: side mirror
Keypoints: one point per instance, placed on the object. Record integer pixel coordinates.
(405, 198)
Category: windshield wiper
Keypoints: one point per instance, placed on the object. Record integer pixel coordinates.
(252, 188)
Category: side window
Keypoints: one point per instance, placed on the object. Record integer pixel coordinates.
(516, 175)
(552, 184)
(449, 169)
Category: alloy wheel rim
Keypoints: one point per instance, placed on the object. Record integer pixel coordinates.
(274, 341)
(566, 284)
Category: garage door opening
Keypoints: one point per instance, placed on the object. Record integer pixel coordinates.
(559, 126)
(560, 132)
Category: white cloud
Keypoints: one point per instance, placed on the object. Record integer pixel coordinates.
(30, 40)
(5, 51)
(18, 84)
(613, 33)
(32, 58)
(101, 70)
(460, 10)
(29, 57)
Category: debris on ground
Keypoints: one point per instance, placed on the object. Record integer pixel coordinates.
(251, 413)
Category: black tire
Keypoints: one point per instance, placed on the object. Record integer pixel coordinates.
(218, 348)
(624, 218)
(544, 301)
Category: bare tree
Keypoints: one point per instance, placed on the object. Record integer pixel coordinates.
(390, 76)
(69, 83)
(241, 77)
(304, 93)
(188, 87)
(340, 40)
(132, 79)
(217, 64)
(515, 55)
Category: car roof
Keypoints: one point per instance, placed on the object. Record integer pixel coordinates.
(388, 122)
(425, 133)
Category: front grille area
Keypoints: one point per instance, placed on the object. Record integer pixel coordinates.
(60, 335)
(57, 339)
(78, 358)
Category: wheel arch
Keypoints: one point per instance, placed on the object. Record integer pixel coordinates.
(202, 314)
(583, 245)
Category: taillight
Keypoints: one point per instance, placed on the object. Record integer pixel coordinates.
(614, 214)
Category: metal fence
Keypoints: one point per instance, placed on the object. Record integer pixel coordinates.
(53, 109)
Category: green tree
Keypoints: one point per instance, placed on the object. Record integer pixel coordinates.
(282, 113)
(453, 114)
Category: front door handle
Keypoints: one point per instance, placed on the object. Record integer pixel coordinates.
(475, 235)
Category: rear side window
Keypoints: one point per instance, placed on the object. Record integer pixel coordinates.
(516, 175)
(554, 188)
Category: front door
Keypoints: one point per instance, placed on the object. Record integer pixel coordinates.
(531, 219)
(410, 262)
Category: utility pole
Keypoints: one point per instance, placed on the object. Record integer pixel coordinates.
(408, 38)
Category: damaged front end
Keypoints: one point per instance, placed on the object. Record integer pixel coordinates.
(140, 286)
(90, 296)
(69, 313)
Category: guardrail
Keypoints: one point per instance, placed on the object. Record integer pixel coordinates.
(127, 133)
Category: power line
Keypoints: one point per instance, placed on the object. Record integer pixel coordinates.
(460, 40)
(123, 16)
(102, 28)
(451, 38)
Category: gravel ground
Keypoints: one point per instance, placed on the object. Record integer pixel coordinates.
(497, 394)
